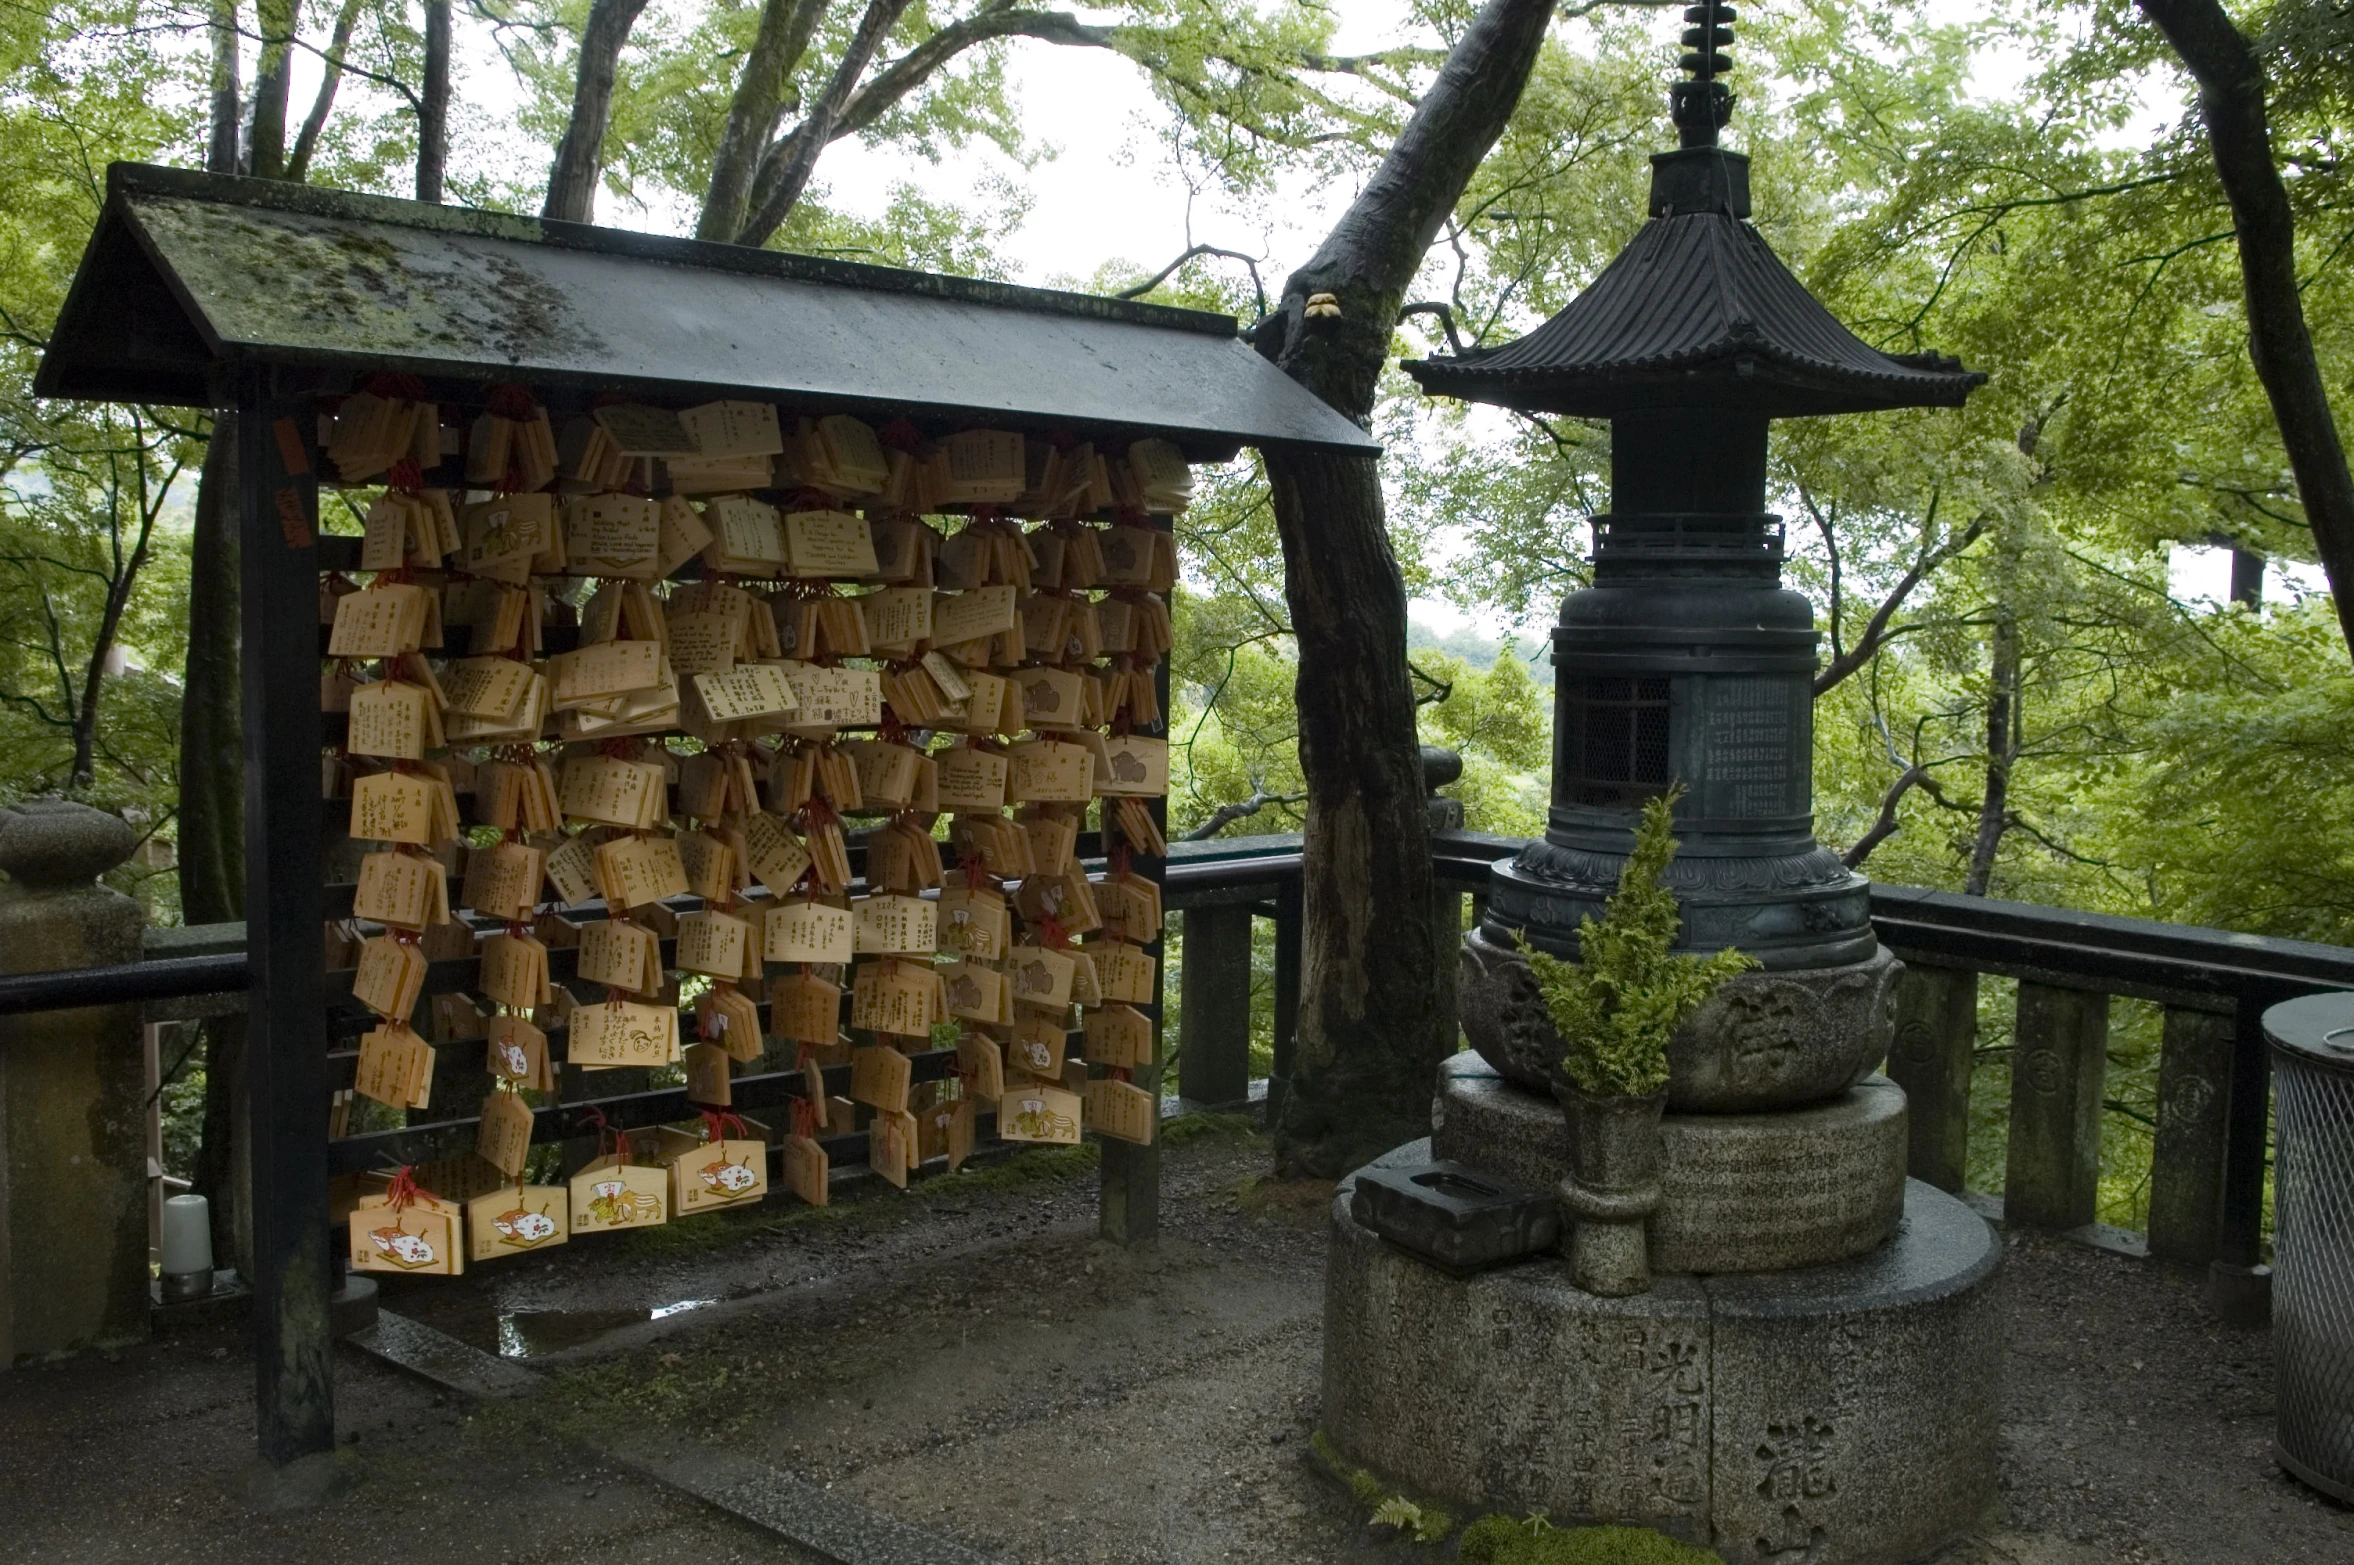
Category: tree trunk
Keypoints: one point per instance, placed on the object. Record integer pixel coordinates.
(785, 28)
(2002, 748)
(2232, 106)
(433, 103)
(265, 146)
(220, 154)
(212, 812)
(785, 171)
(212, 752)
(1373, 1024)
(580, 156)
(110, 624)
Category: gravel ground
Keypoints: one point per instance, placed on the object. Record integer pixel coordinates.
(972, 1360)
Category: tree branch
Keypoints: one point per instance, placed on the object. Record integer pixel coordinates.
(777, 51)
(306, 141)
(1446, 317)
(1226, 815)
(998, 19)
(785, 170)
(1161, 276)
(433, 103)
(1876, 628)
(1886, 825)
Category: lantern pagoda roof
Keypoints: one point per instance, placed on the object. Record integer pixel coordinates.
(1697, 311)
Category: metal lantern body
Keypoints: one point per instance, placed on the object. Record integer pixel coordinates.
(1687, 661)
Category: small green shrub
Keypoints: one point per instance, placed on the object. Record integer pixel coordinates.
(1505, 1540)
(1617, 1006)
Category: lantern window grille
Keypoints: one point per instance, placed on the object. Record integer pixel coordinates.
(1614, 744)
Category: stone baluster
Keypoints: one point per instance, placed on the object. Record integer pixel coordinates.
(1930, 1058)
(1214, 977)
(2194, 1124)
(1441, 767)
(2059, 1061)
(73, 1167)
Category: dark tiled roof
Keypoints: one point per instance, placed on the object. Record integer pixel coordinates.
(1696, 311)
(190, 275)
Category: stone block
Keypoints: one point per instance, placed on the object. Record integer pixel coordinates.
(1931, 1058)
(2059, 1059)
(1488, 1390)
(1455, 1216)
(1858, 1406)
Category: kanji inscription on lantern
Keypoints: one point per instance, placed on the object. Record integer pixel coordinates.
(1750, 769)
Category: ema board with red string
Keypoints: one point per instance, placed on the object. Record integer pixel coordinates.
(719, 1162)
(616, 1190)
(516, 1219)
(406, 1228)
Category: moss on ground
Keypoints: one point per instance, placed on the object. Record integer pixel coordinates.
(1193, 1127)
(1023, 1168)
(1505, 1540)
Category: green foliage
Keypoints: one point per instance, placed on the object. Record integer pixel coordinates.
(1505, 1540)
(1384, 1507)
(1425, 1523)
(1620, 1002)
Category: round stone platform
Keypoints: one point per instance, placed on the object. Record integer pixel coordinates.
(1838, 1415)
(1738, 1192)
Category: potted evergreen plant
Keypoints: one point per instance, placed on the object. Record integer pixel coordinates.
(1615, 1009)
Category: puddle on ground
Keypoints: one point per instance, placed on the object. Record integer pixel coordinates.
(530, 1333)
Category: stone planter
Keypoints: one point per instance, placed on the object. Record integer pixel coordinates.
(1612, 1189)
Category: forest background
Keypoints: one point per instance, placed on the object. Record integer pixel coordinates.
(2018, 698)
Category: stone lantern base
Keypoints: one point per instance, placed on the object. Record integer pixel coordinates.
(1738, 1192)
(1834, 1415)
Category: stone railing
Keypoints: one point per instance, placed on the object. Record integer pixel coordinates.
(2210, 1165)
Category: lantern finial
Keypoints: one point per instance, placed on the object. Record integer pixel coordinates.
(1703, 104)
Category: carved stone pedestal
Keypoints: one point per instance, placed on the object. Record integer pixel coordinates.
(1738, 1192)
(1835, 1415)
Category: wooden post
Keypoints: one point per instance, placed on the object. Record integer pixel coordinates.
(1214, 1035)
(2059, 1060)
(1936, 1032)
(1129, 1209)
(2186, 1165)
(286, 1057)
(1287, 993)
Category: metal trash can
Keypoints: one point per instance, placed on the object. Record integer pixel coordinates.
(2313, 1239)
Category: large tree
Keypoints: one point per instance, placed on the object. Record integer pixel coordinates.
(1375, 1016)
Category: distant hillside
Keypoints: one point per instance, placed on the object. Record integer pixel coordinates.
(1480, 651)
